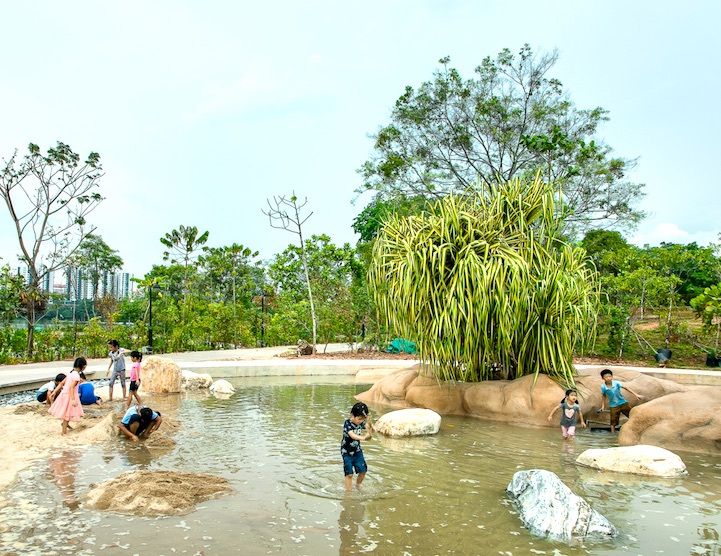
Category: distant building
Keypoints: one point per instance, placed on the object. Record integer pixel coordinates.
(79, 285)
(46, 282)
(76, 285)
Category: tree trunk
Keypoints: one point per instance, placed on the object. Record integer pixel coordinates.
(31, 325)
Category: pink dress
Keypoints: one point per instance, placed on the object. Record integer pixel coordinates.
(63, 407)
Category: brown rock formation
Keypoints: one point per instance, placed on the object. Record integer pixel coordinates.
(688, 421)
(160, 375)
(517, 402)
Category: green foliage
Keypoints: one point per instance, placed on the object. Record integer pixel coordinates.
(708, 308)
(11, 289)
(510, 120)
(482, 280)
(182, 244)
(334, 274)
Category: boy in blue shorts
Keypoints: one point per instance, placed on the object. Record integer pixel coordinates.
(353, 432)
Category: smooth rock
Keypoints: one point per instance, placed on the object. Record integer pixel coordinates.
(194, 381)
(687, 421)
(640, 460)
(549, 509)
(222, 387)
(409, 422)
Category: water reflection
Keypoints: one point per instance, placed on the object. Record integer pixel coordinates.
(62, 470)
(349, 525)
(278, 445)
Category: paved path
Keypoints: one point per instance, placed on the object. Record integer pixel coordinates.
(27, 376)
(15, 378)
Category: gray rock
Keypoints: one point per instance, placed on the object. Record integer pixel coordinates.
(548, 508)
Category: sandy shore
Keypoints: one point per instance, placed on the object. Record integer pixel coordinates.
(31, 434)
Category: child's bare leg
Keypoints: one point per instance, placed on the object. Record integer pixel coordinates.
(64, 427)
(130, 399)
(137, 398)
(348, 482)
(359, 479)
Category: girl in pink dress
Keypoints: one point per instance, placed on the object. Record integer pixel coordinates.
(67, 405)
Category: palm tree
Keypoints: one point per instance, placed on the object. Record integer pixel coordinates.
(482, 282)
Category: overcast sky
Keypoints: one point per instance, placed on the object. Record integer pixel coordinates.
(203, 110)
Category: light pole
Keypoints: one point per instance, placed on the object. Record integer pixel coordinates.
(151, 289)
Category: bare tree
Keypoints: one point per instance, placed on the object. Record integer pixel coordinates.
(48, 198)
(284, 214)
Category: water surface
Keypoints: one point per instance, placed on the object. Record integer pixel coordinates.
(277, 441)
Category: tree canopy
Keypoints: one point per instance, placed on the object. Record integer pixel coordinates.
(512, 120)
(481, 282)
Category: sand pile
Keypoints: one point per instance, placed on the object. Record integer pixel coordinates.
(156, 493)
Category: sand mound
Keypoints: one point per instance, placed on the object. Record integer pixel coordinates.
(32, 407)
(155, 493)
(159, 440)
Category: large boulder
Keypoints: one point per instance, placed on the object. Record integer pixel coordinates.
(686, 421)
(160, 375)
(550, 509)
(640, 460)
(195, 381)
(524, 401)
(409, 422)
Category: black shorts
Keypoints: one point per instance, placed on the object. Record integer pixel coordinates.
(42, 396)
(134, 385)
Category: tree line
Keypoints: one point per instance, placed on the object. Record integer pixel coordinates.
(457, 165)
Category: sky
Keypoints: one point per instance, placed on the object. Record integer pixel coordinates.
(202, 111)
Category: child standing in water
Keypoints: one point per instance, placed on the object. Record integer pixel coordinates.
(136, 357)
(570, 409)
(67, 405)
(353, 432)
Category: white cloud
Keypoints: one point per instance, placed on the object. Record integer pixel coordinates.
(671, 233)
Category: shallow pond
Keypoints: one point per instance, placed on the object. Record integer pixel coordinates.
(277, 440)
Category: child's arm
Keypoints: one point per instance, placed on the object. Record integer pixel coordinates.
(553, 412)
(632, 392)
(580, 414)
(603, 403)
(56, 390)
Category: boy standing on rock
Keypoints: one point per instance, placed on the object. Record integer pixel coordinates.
(611, 389)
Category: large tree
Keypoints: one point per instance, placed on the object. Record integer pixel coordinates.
(512, 120)
(48, 198)
(482, 282)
